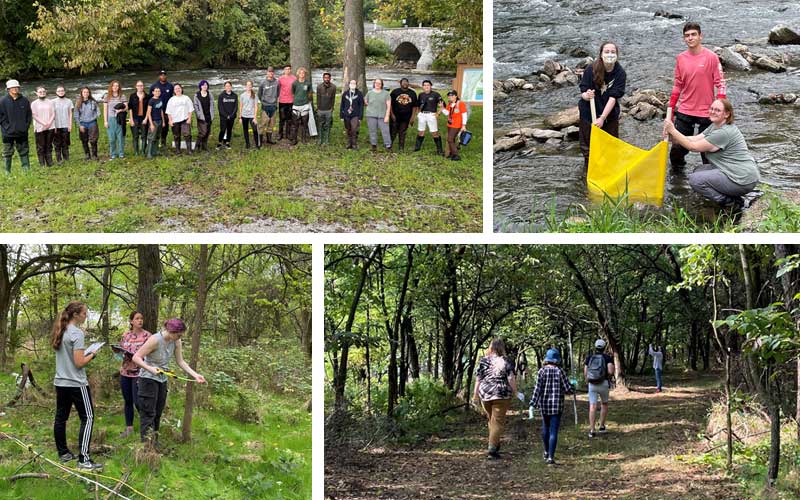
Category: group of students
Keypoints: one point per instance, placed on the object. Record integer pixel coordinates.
(143, 378)
(152, 113)
(496, 387)
(698, 98)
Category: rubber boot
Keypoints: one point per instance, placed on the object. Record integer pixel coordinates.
(189, 148)
(86, 151)
(439, 149)
(304, 137)
(94, 151)
(418, 144)
(293, 127)
(8, 165)
(26, 162)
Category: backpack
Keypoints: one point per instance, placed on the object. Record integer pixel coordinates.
(596, 370)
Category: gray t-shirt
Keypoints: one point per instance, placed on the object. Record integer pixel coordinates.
(248, 105)
(67, 374)
(377, 102)
(733, 158)
(159, 358)
(63, 112)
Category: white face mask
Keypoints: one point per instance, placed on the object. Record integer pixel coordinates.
(352, 86)
(609, 58)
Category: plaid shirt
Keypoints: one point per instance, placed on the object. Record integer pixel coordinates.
(551, 386)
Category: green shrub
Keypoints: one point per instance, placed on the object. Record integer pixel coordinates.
(377, 51)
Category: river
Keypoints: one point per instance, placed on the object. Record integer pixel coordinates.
(526, 33)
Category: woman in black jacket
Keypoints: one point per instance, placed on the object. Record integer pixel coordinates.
(351, 110)
(228, 105)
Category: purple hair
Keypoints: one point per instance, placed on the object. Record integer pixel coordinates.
(175, 325)
(200, 85)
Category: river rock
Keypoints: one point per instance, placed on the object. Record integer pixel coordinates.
(783, 35)
(731, 59)
(644, 111)
(656, 98)
(573, 51)
(768, 64)
(517, 82)
(553, 142)
(668, 15)
(563, 119)
(508, 86)
(509, 143)
(552, 68)
(566, 78)
(777, 99)
(541, 86)
(544, 78)
(544, 134)
(497, 85)
(528, 86)
(583, 63)
(499, 96)
(571, 132)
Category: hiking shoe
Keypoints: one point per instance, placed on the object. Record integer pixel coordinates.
(493, 455)
(546, 456)
(591, 434)
(89, 465)
(550, 461)
(67, 457)
(602, 429)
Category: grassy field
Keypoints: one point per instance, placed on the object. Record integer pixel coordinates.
(307, 188)
(244, 445)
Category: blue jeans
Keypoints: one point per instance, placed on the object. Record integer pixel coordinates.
(116, 141)
(550, 424)
(130, 393)
(658, 378)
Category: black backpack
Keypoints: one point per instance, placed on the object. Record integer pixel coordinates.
(596, 370)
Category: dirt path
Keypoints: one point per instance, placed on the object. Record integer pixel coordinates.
(636, 459)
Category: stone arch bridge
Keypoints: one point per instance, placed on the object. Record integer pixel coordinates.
(413, 45)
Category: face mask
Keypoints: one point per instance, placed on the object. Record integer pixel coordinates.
(352, 87)
(609, 58)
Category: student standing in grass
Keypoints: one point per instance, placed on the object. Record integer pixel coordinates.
(15, 120)
(155, 121)
(268, 95)
(302, 113)
(495, 386)
(228, 105)
(248, 110)
(285, 101)
(548, 397)
(137, 104)
(153, 357)
(351, 111)
(403, 112)
(204, 110)
(131, 342)
(44, 116)
(63, 124)
(86, 113)
(114, 103)
(428, 117)
(167, 91)
(179, 111)
(326, 99)
(456, 112)
(72, 386)
(379, 109)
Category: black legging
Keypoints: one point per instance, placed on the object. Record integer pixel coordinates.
(226, 129)
(246, 124)
(285, 114)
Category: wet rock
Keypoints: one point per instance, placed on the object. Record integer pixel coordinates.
(508, 86)
(778, 99)
(571, 132)
(517, 82)
(509, 143)
(499, 96)
(768, 64)
(546, 135)
(563, 119)
(528, 86)
(668, 15)
(574, 51)
(544, 78)
(583, 63)
(566, 78)
(783, 35)
(656, 98)
(553, 142)
(497, 85)
(644, 111)
(552, 68)
(731, 59)
(541, 86)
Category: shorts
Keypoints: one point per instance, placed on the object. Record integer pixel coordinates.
(427, 119)
(598, 391)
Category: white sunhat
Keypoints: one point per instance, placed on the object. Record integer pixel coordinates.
(11, 84)
(600, 344)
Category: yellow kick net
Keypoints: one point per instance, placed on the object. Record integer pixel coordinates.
(615, 165)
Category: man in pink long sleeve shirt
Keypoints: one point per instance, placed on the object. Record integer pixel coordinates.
(698, 73)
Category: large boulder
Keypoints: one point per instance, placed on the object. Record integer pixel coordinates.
(731, 59)
(499, 96)
(563, 119)
(783, 35)
(644, 111)
(566, 78)
(571, 132)
(552, 68)
(668, 15)
(509, 143)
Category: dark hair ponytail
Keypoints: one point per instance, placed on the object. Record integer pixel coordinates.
(61, 323)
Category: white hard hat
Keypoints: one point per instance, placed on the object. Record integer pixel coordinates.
(11, 84)
(600, 344)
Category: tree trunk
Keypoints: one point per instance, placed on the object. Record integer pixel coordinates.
(305, 334)
(5, 303)
(299, 46)
(413, 356)
(149, 273)
(355, 55)
(789, 282)
(197, 325)
(393, 331)
(104, 319)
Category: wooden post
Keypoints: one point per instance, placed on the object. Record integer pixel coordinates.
(669, 117)
(594, 109)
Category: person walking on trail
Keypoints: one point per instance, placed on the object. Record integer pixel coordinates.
(658, 364)
(404, 110)
(15, 120)
(548, 397)
(43, 112)
(495, 386)
(63, 124)
(268, 95)
(131, 342)
(153, 357)
(326, 99)
(428, 117)
(604, 81)
(698, 73)
(86, 114)
(598, 370)
(72, 386)
(167, 91)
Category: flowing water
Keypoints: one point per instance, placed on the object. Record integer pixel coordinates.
(528, 182)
